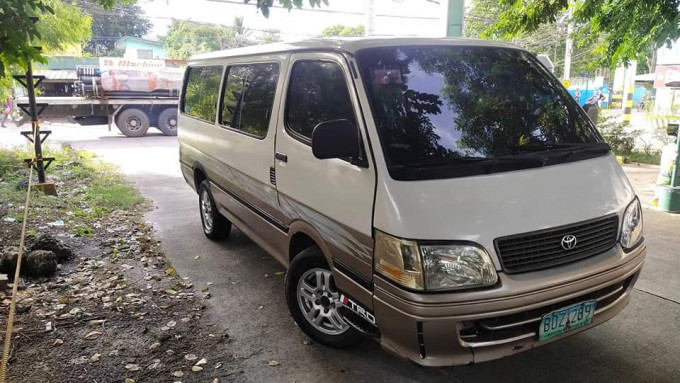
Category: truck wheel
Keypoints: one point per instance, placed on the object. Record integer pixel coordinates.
(215, 225)
(133, 122)
(313, 300)
(167, 122)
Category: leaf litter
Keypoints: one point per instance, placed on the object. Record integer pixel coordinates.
(111, 298)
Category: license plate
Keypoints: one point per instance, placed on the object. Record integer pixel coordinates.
(566, 319)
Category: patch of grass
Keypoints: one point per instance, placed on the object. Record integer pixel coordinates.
(83, 231)
(113, 197)
(644, 158)
(88, 188)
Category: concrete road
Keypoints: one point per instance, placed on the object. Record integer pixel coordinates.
(642, 344)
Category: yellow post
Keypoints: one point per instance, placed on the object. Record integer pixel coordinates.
(628, 108)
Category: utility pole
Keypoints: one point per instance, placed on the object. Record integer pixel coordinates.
(454, 11)
(370, 18)
(569, 43)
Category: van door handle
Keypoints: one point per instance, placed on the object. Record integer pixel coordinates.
(281, 157)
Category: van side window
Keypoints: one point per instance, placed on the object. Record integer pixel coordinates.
(317, 93)
(202, 91)
(249, 97)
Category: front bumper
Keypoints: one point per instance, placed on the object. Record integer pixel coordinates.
(475, 326)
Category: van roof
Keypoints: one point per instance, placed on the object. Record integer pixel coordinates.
(346, 44)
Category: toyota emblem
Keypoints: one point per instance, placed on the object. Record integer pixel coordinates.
(568, 242)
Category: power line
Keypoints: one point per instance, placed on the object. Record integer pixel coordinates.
(320, 10)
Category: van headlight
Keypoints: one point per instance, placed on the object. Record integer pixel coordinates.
(457, 266)
(631, 229)
(432, 267)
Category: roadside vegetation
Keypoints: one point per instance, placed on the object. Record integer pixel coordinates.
(626, 142)
(89, 190)
(110, 307)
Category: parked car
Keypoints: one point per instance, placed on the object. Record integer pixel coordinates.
(446, 197)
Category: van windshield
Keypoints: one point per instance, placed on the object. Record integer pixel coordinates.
(448, 111)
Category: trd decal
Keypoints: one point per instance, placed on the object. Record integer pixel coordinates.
(352, 305)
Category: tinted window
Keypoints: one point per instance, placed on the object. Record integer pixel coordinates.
(317, 93)
(435, 106)
(249, 97)
(202, 91)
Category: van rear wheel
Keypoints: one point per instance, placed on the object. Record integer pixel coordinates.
(215, 225)
(313, 300)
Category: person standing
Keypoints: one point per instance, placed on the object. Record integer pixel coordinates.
(7, 110)
(577, 95)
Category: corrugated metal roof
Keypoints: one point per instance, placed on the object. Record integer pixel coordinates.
(68, 62)
(56, 74)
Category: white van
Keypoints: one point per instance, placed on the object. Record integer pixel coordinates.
(445, 196)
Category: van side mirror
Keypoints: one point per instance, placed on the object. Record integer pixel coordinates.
(335, 139)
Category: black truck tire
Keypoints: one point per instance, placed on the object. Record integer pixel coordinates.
(132, 122)
(167, 122)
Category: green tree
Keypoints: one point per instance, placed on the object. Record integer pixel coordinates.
(548, 39)
(186, 38)
(241, 33)
(108, 25)
(61, 23)
(343, 30)
(19, 33)
(264, 5)
(67, 25)
(623, 30)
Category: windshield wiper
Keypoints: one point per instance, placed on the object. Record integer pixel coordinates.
(491, 162)
(547, 147)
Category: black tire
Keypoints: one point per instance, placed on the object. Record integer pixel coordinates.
(215, 225)
(132, 122)
(167, 122)
(308, 259)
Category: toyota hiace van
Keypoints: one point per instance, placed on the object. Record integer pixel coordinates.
(446, 197)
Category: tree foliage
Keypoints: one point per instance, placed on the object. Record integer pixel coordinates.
(67, 25)
(186, 38)
(19, 33)
(628, 27)
(108, 25)
(265, 5)
(548, 39)
(343, 30)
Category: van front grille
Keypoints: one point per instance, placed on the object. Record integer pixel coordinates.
(524, 325)
(543, 249)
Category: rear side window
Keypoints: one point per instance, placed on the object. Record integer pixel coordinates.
(317, 93)
(202, 92)
(249, 97)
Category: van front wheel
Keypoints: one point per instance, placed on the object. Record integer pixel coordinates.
(313, 300)
(215, 225)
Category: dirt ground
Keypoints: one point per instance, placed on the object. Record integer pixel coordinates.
(116, 311)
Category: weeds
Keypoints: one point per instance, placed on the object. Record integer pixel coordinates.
(88, 189)
(644, 158)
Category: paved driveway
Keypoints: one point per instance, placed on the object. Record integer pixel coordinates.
(642, 344)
